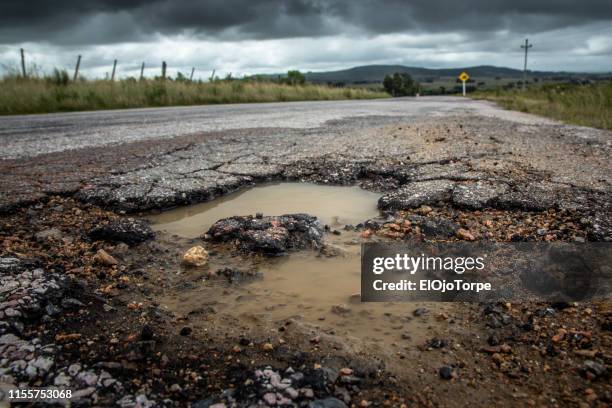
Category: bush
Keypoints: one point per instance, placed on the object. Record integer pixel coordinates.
(295, 78)
(400, 84)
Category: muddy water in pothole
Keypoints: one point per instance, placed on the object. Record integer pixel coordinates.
(332, 205)
(325, 291)
(303, 284)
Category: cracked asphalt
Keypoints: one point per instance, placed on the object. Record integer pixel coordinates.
(136, 160)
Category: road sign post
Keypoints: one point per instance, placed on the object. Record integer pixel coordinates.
(463, 77)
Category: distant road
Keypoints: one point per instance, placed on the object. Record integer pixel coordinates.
(31, 135)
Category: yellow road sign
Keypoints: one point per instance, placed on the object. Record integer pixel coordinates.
(464, 76)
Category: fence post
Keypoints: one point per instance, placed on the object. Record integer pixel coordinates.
(114, 68)
(23, 69)
(163, 70)
(191, 76)
(142, 71)
(76, 69)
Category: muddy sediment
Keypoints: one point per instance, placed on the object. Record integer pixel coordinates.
(150, 331)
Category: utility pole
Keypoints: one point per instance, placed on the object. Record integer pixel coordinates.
(114, 69)
(142, 71)
(163, 70)
(191, 76)
(76, 69)
(23, 69)
(527, 46)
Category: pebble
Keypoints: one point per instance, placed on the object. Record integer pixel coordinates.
(196, 256)
(594, 367)
(340, 309)
(62, 380)
(307, 392)
(346, 371)
(446, 372)
(87, 378)
(51, 234)
(85, 392)
(104, 258)
(43, 363)
(74, 369)
(420, 311)
(291, 392)
(270, 398)
(465, 234)
(436, 343)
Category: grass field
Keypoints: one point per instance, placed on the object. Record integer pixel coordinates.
(588, 105)
(43, 95)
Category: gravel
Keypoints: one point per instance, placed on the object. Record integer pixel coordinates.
(30, 295)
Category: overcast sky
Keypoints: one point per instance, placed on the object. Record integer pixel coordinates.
(248, 36)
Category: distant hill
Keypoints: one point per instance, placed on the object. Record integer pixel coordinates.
(444, 81)
(376, 73)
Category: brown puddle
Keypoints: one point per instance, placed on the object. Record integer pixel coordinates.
(332, 205)
(304, 284)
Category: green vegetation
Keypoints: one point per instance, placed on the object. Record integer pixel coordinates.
(588, 105)
(400, 84)
(58, 93)
(295, 78)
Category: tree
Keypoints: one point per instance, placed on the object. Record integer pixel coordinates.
(295, 77)
(400, 84)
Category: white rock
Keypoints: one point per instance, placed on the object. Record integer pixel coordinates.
(196, 256)
(62, 380)
(74, 369)
(43, 363)
(87, 377)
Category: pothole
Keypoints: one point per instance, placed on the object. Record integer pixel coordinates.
(321, 290)
(332, 205)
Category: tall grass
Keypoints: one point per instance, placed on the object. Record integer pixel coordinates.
(588, 105)
(56, 93)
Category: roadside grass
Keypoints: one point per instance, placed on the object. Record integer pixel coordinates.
(58, 94)
(587, 105)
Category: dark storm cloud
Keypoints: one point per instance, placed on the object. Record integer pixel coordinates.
(112, 21)
(248, 36)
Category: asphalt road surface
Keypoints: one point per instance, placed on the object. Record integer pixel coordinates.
(31, 135)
